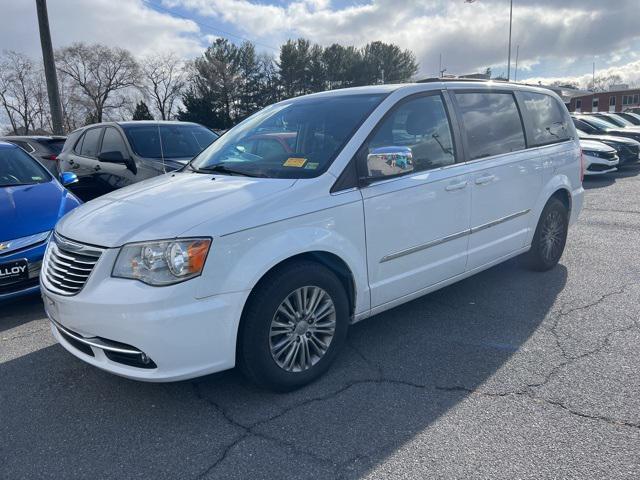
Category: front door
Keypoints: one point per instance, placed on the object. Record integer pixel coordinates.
(111, 175)
(417, 219)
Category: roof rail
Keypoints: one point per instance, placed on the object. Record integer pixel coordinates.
(449, 79)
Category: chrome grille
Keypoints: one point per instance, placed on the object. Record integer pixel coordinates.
(67, 265)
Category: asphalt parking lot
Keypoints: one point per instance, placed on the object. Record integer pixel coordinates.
(509, 374)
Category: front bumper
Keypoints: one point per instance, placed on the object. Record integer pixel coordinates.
(33, 254)
(600, 166)
(180, 336)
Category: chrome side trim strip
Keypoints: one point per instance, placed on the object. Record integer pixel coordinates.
(424, 246)
(499, 221)
(448, 238)
(94, 342)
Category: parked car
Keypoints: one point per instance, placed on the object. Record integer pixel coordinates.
(111, 155)
(630, 116)
(263, 259)
(45, 148)
(593, 125)
(628, 150)
(31, 202)
(598, 157)
(615, 119)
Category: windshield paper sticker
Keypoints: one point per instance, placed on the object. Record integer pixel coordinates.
(295, 162)
(311, 166)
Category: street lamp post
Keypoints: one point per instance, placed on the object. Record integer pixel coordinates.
(510, 27)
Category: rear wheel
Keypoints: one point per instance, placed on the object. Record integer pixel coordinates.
(550, 236)
(293, 327)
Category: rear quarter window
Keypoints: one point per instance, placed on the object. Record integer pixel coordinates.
(548, 121)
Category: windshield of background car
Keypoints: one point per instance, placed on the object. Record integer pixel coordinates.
(598, 122)
(178, 141)
(18, 168)
(295, 139)
(620, 121)
(55, 146)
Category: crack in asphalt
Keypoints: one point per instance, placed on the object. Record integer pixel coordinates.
(24, 335)
(250, 430)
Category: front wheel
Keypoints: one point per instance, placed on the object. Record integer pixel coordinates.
(550, 237)
(293, 327)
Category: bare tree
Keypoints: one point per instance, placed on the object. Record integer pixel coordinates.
(602, 83)
(101, 73)
(164, 78)
(21, 89)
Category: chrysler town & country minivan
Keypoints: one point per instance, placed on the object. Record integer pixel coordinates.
(362, 199)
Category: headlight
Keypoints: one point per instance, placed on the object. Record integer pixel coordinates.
(164, 262)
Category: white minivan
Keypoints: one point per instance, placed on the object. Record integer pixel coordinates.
(313, 214)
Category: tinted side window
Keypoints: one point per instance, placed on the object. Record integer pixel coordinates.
(90, 143)
(422, 125)
(491, 122)
(112, 142)
(549, 123)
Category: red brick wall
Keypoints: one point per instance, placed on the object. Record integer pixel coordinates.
(603, 101)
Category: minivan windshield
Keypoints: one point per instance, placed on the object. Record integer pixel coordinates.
(292, 139)
(18, 168)
(178, 141)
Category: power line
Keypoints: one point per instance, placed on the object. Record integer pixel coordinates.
(210, 27)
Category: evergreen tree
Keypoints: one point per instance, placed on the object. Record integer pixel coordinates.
(142, 112)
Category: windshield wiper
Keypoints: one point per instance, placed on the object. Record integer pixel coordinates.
(17, 184)
(220, 168)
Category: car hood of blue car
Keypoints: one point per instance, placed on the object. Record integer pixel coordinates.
(29, 209)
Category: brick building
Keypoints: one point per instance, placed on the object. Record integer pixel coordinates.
(613, 101)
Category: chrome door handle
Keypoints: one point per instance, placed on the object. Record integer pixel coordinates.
(484, 180)
(456, 186)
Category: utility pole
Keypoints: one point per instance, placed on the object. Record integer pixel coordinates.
(515, 73)
(510, 27)
(49, 67)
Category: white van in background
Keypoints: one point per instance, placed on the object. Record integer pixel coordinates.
(312, 214)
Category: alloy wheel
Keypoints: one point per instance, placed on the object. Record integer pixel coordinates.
(302, 329)
(552, 235)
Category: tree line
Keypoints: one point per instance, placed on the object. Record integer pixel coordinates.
(227, 83)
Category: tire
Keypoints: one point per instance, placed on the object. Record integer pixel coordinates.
(270, 330)
(550, 237)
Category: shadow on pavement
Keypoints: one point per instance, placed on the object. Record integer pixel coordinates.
(401, 371)
(21, 310)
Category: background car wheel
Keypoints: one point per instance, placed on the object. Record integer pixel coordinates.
(293, 326)
(550, 237)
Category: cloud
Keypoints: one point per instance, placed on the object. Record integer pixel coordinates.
(124, 23)
(557, 39)
(471, 37)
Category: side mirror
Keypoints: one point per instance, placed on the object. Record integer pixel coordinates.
(111, 157)
(389, 162)
(67, 178)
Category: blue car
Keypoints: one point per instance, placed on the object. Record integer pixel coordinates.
(31, 203)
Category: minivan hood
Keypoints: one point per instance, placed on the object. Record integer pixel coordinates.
(165, 207)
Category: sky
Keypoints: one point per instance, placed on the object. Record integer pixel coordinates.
(558, 39)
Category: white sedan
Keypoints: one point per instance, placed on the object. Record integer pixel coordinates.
(598, 157)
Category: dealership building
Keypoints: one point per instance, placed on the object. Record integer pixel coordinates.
(617, 99)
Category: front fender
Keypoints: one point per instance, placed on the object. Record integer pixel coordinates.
(239, 260)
